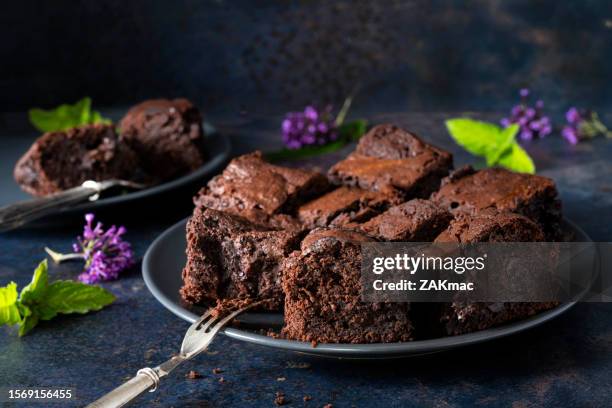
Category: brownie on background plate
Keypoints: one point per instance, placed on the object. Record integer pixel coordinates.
(322, 286)
(388, 159)
(167, 135)
(469, 191)
(262, 192)
(489, 225)
(230, 258)
(61, 160)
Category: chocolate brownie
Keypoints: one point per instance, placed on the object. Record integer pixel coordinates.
(167, 135)
(255, 189)
(417, 220)
(229, 257)
(469, 191)
(321, 283)
(388, 158)
(345, 205)
(489, 225)
(61, 160)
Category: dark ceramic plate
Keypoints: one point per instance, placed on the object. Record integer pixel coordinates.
(165, 258)
(218, 150)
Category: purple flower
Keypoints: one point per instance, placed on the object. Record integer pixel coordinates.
(573, 116)
(583, 124)
(532, 122)
(310, 127)
(570, 134)
(106, 254)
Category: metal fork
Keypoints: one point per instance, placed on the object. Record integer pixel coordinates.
(15, 215)
(198, 337)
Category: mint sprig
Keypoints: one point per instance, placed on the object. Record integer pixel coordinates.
(497, 145)
(41, 300)
(65, 116)
(348, 132)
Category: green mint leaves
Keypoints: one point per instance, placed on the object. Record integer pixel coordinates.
(65, 116)
(497, 145)
(9, 311)
(41, 300)
(348, 132)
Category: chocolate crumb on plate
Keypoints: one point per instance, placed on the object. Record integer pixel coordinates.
(281, 399)
(193, 375)
(217, 370)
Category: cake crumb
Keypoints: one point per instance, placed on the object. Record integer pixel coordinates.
(307, 398)
(313, 343)
(328, 406)
(217, 370)
(281, 399)
(193, 375)
(281, 379)
(221, 380)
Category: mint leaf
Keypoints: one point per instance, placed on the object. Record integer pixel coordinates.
(352, 131)
(40, 300)
(73, 297)
(498, 146)
(517, 159)
(506, 139)
(28, 323)
(65, 116)
(478, 138)
(9, 310)
(36, 289)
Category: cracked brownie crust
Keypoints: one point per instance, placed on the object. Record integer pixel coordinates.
(388, 159)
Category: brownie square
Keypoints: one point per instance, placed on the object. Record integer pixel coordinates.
(470, 191)
(345, 205)
(490, 225)
(255, 189)
(229, 257)
(388, 158)
(167, 135)
(322, 286)
(61, 160)
(417, 220)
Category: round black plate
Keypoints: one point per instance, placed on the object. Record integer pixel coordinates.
(218, 150)
(164, 261)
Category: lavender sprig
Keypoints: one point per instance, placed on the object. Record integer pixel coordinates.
(583, 124)
(312, 127)
(105, 253)
(533, 123)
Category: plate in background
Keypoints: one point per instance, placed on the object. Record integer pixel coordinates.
(218, 149)
(164, 260)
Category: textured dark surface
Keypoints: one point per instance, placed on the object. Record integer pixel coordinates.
(567, 362)
(246, 55)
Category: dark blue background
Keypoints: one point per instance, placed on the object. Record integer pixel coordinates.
(267, 56)
(248, 62)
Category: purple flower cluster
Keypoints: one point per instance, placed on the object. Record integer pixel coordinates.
(533, 123)
(106, 254)
(308, 128)
(571, 131)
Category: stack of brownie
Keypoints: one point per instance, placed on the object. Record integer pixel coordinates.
(293, 236)
(158, 140)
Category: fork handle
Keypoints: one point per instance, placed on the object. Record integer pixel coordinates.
(15, 215)
(121, 396)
